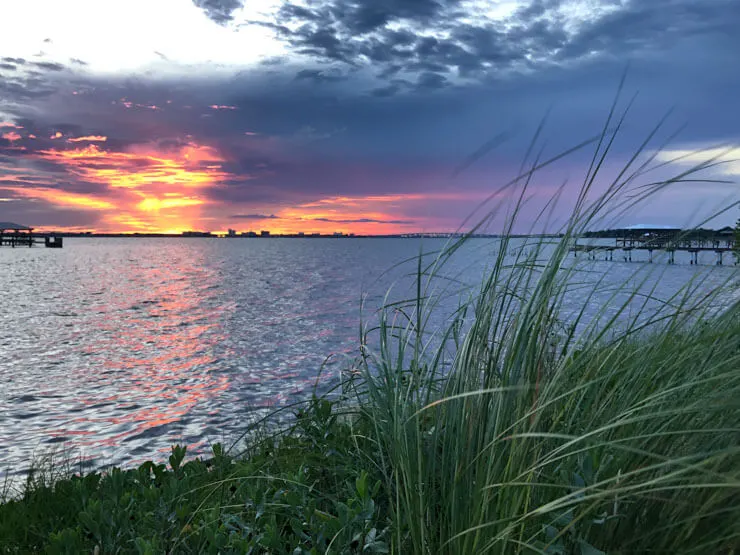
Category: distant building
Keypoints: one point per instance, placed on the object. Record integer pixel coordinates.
(264, 233)
(301, 234)
(249, 234)
(338, 234)
(231, 233)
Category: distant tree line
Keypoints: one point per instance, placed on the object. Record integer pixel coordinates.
(698, 233)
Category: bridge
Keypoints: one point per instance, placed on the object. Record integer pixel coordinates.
(667, 240)
(16, 235)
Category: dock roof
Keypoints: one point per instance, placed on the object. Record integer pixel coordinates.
(14, 227)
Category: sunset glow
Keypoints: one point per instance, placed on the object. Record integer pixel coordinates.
(64, 199)
(89, 139)
(146, 188)
(295, 116)
(11, 136)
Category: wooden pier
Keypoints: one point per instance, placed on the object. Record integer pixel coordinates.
(16, 235)
(667, 241)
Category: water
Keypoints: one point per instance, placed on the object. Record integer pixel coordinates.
(118, 348)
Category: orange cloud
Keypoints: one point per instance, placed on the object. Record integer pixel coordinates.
(342, 201)
(9, 124)
(56, 135)
(63, 198)
(152, 204)
(11, 136)
(88, 138)
(146, 169)
(143, 189)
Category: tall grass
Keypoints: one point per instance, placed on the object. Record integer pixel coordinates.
(618, 434)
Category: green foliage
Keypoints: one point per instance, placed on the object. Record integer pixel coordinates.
(298, 495)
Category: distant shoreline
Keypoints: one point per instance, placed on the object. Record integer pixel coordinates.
(285, 236)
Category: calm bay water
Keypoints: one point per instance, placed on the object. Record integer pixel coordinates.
(118, 348)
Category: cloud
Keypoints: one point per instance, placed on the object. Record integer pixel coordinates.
(724, 159)
(319, 76)
(431, 81)
(219, 11)
(361, 221)
(254, 217)
(455, 40)
(89, 139)
(48, 66)
(366, 16)
(652, 24)
(24, 88)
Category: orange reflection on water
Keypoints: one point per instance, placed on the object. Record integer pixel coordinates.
(154, 358)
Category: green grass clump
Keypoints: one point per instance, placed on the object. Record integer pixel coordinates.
(511, 430)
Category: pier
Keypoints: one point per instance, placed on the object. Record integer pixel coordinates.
(668, 241)
(16, 235)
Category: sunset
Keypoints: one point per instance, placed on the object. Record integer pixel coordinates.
(220, 112)
(409, 277)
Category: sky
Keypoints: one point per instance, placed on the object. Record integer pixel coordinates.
(359, 116)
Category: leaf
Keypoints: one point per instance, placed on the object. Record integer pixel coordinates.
(565, 518)
(588, 549)
(361, 484)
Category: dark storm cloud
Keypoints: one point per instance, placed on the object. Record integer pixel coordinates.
(49, 66)
(22, 88)
(219, 11)
(431, 81)
(319, 76)
(357, 33)
(390, 90)
(365, 16)
(651, 24)
(17, 61)
(9, 67)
